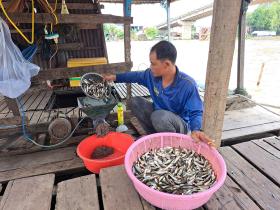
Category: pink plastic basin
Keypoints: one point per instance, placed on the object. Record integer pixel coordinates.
(170, 201)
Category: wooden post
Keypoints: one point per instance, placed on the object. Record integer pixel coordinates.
(221, 49)
(12, 105)
(168, 18)
(241, 45)
(260, 74)
(99, 7)
(127, 44)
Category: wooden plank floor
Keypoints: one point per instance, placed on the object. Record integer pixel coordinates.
(237, 124)
(136, 90)
(33, 103)
(79, 193)
(39, 162)
(253, 182)
(249, 121)
(28, 193)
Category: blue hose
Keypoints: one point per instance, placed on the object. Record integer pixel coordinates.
(29, 52)
(26, 137)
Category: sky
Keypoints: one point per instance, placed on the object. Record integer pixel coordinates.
(153, 14)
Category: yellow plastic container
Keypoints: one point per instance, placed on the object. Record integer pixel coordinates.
(75, 81)
(79, 62)
(120, 114)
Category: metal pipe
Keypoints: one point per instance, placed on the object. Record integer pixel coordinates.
(168, 19)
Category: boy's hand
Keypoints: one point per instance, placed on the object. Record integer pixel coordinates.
(109, 77)
(200, 136)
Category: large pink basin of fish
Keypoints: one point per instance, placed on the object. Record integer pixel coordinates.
(171, 201)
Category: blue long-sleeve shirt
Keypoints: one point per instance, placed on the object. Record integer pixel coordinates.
(181, 97)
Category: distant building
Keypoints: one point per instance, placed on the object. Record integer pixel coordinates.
(264, 33)
(137, 28)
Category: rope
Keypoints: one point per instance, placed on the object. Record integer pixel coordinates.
(52, 11)
(14, 25)
(33, 19)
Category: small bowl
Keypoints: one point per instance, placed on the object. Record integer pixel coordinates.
(98, 78)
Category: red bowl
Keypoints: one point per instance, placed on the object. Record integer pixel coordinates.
(119, 141)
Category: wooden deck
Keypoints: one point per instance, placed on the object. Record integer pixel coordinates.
(136, 90)
(38, 181)
(34, 105)
(245, 123)
(239, 125)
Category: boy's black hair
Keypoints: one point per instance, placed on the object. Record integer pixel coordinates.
(165, 50)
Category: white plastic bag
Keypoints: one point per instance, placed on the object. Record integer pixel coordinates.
(15, 71)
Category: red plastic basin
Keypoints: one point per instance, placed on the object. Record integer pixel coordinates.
(119, 141)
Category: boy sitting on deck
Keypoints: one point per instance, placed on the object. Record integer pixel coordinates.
(176, 106)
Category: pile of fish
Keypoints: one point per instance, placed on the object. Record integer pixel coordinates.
(94, 87)
(174, 170)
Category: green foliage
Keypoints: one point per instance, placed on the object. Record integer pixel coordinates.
(275, 21)
(151, 32)
(133, 35)
(112, 32)
(265, 17)
(120, 34)
(260, 19)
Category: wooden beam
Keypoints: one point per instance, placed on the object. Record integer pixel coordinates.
(12, 104)
(13, 120)
(104, 47)
(134, 2)
(83, 6)
(62, 160)
(127, 40)
(66, 46)
(38, 88)
(221, 49)
(32, 129)
(168, 20)
(241, 46)
(127, 54)
(71, 18)
(86, 26)
(60, 73)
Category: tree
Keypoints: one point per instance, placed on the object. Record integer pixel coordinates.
(265, 17)
(120, 34)
(260, 19)
(112, 32)
(151, 32)
(275, 21)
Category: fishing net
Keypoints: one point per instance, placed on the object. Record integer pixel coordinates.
(15, 71)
